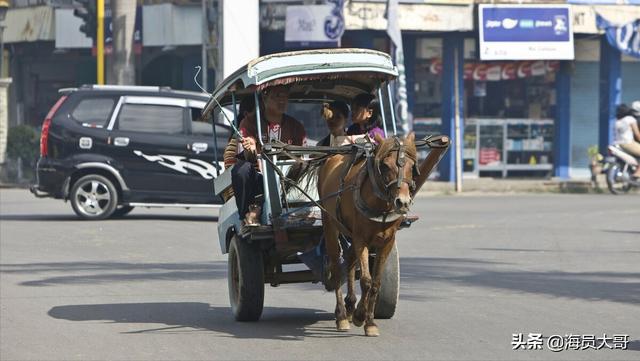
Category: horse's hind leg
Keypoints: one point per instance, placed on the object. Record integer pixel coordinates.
(333, 250)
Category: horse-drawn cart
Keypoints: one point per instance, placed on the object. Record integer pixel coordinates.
(291, 225)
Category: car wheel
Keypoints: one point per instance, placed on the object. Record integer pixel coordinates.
(93, 197)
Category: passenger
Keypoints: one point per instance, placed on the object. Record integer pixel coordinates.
(276, 126)
(365, 115)
(335, 114)
(247, 108)
(626, 131)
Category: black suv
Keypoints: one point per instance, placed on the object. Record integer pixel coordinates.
(108, 149)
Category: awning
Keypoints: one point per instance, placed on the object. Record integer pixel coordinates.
(29, 24)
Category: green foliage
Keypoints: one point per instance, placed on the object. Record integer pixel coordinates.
(593, 152)
(23, 142)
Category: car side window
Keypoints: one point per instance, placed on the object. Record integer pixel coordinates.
(151, 118)
(93, 112)
(200, 126)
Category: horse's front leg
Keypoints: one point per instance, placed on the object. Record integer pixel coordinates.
(351, 299)
(370, 327)
(362, 255)
(333, 251)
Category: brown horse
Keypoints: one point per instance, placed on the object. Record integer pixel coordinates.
(376, 193)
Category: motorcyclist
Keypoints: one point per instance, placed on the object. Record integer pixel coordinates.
(627, 134)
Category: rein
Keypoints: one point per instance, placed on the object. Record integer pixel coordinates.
(370, 170)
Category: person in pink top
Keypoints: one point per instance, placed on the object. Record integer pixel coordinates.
(365, 115)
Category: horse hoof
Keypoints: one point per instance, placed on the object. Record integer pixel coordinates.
(371, 331)
(356, 321)
(343, 325)
(350, 318)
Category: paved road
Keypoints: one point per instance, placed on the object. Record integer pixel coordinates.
(475, 270)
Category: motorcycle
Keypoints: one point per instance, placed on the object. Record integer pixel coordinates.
(619, 168)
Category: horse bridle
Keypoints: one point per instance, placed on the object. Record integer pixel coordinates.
(380, 189)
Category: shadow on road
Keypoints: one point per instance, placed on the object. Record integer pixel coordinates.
(623, 287)
(73, 218)
(287, 324)
(110, 272)
(620, 231)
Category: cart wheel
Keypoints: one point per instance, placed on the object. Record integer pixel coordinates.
(389, 287)
(246, 280)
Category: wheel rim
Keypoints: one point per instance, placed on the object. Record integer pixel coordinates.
(93, 198)
(617, 181)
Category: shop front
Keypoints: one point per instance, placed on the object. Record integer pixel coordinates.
(509, 109)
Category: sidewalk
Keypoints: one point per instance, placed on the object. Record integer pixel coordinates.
(496, 185)
(490, 185)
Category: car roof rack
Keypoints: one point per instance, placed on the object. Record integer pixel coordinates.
(141, 88)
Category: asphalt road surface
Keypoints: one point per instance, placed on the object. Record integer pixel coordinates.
(475, 271)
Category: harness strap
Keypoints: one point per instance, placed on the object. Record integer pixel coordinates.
(373, 215)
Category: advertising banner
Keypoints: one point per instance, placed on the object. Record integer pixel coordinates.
(625, 38)
(525, 32)
(497, 71)
(314, 25)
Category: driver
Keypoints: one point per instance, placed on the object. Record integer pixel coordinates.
(246, 179)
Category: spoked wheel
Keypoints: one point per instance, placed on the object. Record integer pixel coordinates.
(245, 277)
(389, 287)
(93, 197)
(616, 181)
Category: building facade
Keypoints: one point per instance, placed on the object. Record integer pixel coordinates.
(519, 118)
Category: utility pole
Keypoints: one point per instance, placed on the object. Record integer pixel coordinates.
(205, 45)
(123, 22)
(100, 42)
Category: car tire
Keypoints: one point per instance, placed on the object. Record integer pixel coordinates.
(122, 211)
(93, 197)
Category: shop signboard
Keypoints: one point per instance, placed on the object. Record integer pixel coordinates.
(313, 25)
(525, 32)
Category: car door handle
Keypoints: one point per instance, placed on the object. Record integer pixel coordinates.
(121, 141)
(199, 147)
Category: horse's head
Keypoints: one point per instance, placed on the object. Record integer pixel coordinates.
(395, 159)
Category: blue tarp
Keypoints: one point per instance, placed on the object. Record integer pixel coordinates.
(625, 38)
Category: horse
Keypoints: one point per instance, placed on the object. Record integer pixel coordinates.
(375, 192)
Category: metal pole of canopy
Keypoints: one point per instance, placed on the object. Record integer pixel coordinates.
(384, 117)
(392, 109)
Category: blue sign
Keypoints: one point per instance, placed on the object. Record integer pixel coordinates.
(525, 32)
(525, 24)
(625, 38)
